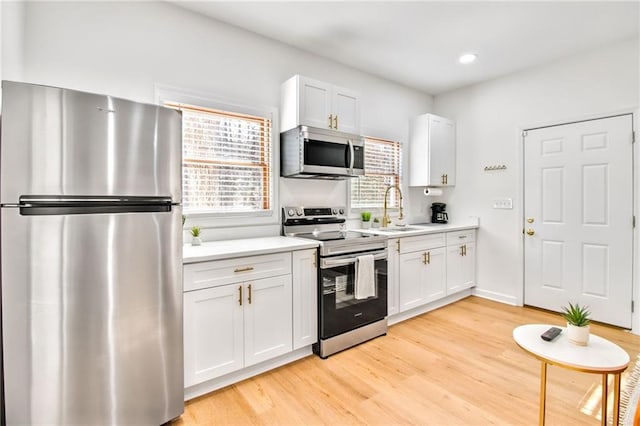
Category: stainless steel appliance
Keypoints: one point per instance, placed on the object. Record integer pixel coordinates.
(91, 249)
(309, 152)
(439, 213)
(343, 320)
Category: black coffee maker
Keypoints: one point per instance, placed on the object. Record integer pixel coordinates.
(439, 213)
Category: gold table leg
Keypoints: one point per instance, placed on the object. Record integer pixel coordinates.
(616, 399)
(605, 393)
(543, 391)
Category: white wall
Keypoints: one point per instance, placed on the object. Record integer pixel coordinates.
(12, 22)
(489, 118)
(125, 48)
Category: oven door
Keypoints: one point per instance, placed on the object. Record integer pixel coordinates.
(340, 311)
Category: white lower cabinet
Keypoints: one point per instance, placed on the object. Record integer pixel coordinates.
(213, 333)
(426, 268)
(422, 276)
(253, 309)
(305, 298)
(461, 267)
(235, 326)
(393, 276)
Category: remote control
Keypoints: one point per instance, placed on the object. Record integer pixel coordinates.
(551, 334)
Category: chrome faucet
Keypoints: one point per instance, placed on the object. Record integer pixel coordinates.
(386, 220)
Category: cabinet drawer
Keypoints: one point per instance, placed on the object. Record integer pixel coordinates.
(461, 237)
(421, 242)
(241, 269)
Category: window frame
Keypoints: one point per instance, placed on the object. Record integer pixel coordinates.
(354, 212)
(213, 101)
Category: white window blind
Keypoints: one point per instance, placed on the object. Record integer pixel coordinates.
(226, 161)
(382, 167)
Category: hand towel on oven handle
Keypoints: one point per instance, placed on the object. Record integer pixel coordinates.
(365, 285)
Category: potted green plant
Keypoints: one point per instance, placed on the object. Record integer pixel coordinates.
(578, 319)
(195, 233)
(376, 222)
(366, 220)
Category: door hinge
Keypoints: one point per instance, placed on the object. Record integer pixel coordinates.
(632, 307)
(634, 221)
(633, 136)
(524, 133)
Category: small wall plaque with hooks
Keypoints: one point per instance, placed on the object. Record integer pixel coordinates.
(494, 168)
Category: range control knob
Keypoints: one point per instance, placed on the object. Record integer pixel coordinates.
(341, 211)
(299, 212)
(335, 211)
(291, 212)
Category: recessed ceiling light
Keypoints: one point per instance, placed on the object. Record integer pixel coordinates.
(468, 58)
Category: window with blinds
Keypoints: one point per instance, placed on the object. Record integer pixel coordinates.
(226, 161)
(382, 167)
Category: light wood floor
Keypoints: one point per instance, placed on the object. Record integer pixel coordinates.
(457, 365)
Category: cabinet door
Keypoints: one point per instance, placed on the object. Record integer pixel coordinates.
(315, 103)
(267, 319)
(393, 277)
(460, 267)
(469, 266)
(305, 298)
(213, 333)
(442, 151)
(412, 276)
(346, 108)
(435, 286)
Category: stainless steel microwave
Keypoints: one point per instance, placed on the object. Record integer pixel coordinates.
(309, 152)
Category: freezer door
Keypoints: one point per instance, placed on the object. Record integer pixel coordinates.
(92, 317)
(58, 141)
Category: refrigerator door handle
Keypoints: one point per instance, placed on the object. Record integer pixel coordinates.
(44, 205)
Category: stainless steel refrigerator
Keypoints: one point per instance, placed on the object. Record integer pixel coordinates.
(91, 258)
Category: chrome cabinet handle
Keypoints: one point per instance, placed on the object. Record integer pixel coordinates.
(331, 121)
(335, 122)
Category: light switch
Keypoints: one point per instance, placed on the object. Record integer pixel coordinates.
(503, 203)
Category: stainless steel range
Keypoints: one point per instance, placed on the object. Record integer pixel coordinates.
(347, 314)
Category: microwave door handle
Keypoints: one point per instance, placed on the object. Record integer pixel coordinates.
(351, 156)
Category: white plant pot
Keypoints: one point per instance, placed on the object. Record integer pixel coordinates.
(196, 241)
(366, 225)
(578, 335)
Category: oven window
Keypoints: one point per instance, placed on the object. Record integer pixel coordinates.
(340, 282)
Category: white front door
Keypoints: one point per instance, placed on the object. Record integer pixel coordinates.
(578, 217)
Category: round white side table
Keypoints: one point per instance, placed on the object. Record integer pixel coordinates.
(600, 356)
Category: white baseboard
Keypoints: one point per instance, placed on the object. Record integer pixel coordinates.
(402, 316)
(496, 297)
(237, 376)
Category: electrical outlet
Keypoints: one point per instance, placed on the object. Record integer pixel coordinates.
(503, 203)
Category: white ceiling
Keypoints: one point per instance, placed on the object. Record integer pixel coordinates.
(418, 43)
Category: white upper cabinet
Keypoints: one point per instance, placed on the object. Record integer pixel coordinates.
(432, 151)
(308, 102)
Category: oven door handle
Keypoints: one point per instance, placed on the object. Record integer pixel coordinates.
(332, 263)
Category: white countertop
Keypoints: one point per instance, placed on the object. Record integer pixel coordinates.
(216, 250)
(421, 229)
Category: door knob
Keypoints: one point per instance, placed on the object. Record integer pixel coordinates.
(530, 231)
(529, 220)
